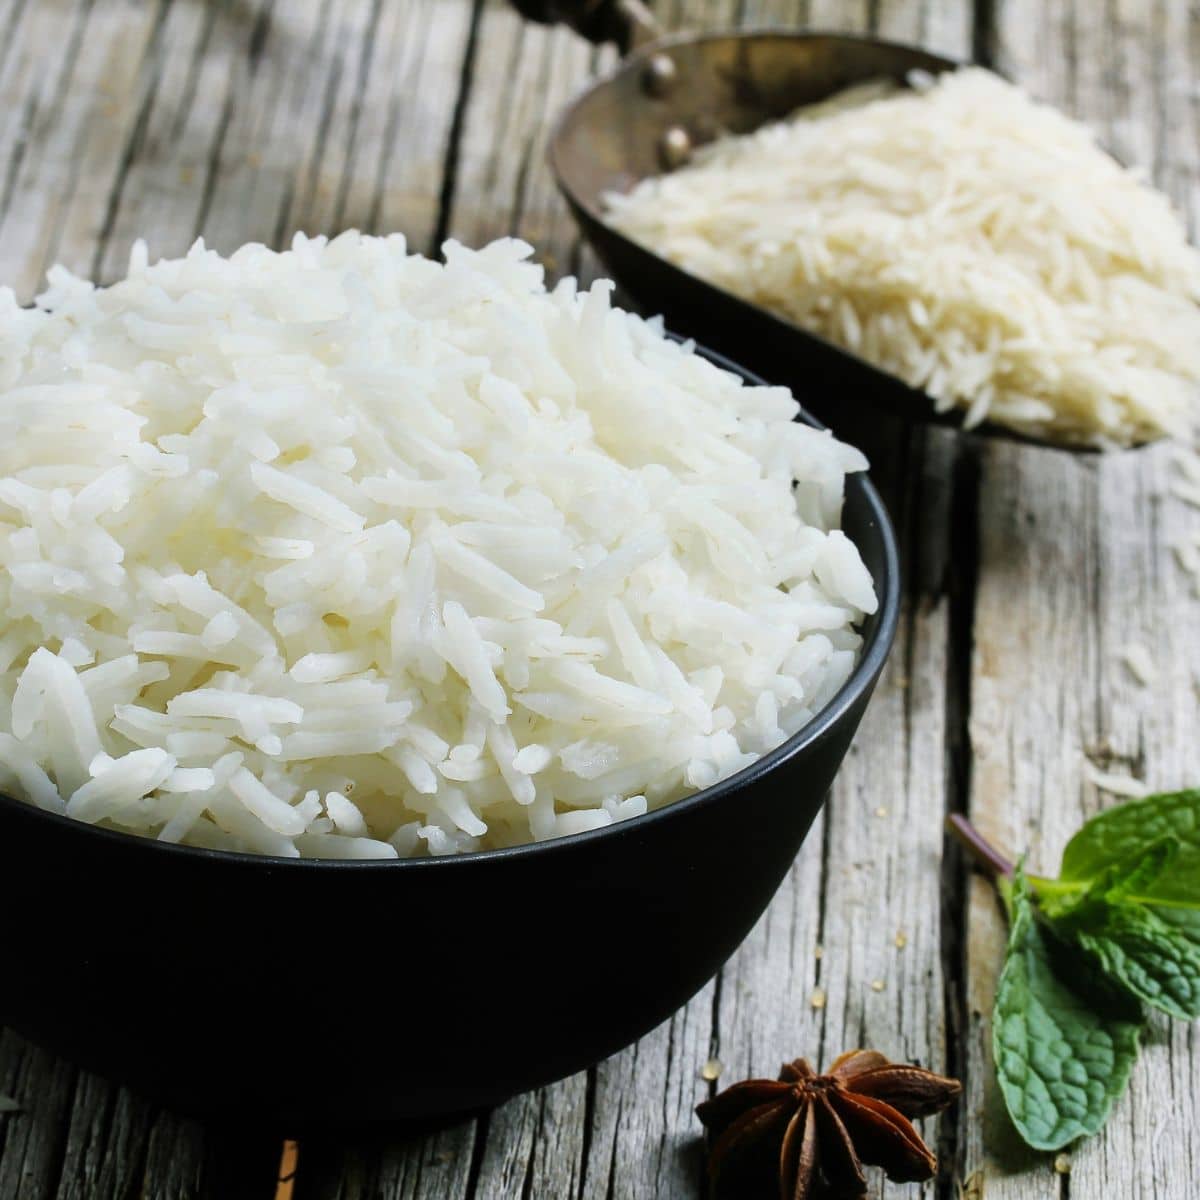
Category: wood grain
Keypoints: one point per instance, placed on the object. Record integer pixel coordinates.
(1075, 562)
(627, 1128)
(237, 121)
(249, 119)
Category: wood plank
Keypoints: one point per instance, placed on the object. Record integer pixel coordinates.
(279, 118)
(65, 57)
(175, 1156)
(533, 1146)
(416, 1162)
(33, 1139)
(79, 1137)
(518, 89)
(560, 1141)
(627, 1128)
(500, 187)
(1075, 562)
(107, 1135)
(852, 951)
(164, 120)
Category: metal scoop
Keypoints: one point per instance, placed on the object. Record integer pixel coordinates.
(673, 93)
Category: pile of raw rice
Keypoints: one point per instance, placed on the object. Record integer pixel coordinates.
(975, 243)
(342, 552)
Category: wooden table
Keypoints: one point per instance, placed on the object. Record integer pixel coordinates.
(1027, 572)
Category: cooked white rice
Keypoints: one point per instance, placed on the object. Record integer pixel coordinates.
(345, 553)
(961, 236)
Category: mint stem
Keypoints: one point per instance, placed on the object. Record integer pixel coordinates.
(980, 849)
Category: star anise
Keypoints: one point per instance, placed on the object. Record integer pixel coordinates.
(810, 1134)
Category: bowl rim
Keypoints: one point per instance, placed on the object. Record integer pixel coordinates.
(876, 648)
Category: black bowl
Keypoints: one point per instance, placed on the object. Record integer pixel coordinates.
(329, 992)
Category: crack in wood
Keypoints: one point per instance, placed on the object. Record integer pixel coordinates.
(192, 77)
(477, 1148)
(589, 1123)
(457, 125)
(212, 166)
(964, 567)
(154, 55)
(366, 55)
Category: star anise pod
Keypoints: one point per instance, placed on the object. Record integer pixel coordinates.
(810, 1134)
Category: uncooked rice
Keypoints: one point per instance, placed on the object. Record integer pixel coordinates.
(1139, 663)
(1113, 783)
(1185, 481)
(342, 552)
(1187, 554)
(961, 236)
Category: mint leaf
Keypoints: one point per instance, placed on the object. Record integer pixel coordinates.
(1131, 829)
(1063, 1042)
(1138, 874)
(1127, 880)
(1186, 920)
(1150, 958)
(1156, 960)
(1121, 926)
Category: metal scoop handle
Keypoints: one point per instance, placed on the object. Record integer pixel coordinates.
(628, 23)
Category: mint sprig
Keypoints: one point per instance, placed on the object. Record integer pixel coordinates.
(1063, 1052)
(1118, 928)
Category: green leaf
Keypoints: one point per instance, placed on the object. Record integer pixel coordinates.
(1137, 874)
(1155, 961)
(1063, 1041)
(1186, 920)
(1131, 829)
(1124, 881)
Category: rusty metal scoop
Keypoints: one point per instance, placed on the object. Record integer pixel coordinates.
(672, 93)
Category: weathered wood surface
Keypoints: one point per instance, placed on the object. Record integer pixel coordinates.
(1075, 562)
(1026, 570)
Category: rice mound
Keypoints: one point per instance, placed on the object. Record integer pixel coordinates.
(961, 236)
(342, 552)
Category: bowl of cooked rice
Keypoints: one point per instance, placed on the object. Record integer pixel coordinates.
(414, 681)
